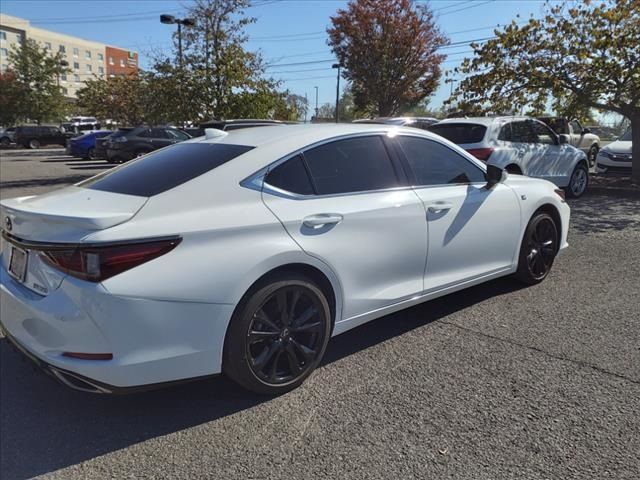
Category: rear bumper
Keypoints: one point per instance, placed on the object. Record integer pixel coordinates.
(153, 342)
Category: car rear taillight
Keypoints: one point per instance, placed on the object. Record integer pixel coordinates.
(481, 153)
(97, 263)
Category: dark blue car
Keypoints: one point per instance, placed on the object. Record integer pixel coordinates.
(84, 146)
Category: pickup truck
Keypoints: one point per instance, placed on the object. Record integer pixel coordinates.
(576, 135)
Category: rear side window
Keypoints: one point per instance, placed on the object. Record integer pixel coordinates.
(517, 132)
(291, 176)
(351, 165)
(460, 133)
(165, 169)
(434, 164)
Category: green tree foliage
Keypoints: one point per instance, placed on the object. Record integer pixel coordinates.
(388, 51)
(121, 100)
(579, 55)
(34, 93)
(225, 77)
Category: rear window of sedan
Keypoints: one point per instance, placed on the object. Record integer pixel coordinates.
(460, 133)
(164, 169)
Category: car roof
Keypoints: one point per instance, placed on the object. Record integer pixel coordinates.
(482, 120)
(302, 135)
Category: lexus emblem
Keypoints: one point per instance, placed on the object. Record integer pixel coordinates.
(8, 224)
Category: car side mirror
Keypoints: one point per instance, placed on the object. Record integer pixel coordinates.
(493, 176)
(563, 139)
(586, 130)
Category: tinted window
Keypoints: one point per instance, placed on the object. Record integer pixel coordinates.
(144, 133)
(518, 132)
(165, 169)
(177, 135)
(460, 133)
(435, 164)
(626, 137)
(159, 133)
(291, 176)
(351, 165)
(542, 133)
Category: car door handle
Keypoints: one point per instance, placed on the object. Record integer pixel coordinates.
(440, 207)
(322, 219)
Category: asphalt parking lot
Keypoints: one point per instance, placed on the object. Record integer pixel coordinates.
(498, 381)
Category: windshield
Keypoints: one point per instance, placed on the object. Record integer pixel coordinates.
(460, 133)
(164, 169)
(626, 137)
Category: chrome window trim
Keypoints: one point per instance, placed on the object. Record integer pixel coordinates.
(257, 180)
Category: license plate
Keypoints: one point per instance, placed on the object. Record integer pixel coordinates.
(18, 263)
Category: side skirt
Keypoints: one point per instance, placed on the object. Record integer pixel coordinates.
(349, 323)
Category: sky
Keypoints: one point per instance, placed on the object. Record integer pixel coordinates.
(290, 34)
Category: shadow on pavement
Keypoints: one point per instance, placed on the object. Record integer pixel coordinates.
(46, 426)
(31, 153)
(598, 213)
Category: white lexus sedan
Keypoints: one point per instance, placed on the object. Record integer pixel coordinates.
(520, 145)
(242, 253)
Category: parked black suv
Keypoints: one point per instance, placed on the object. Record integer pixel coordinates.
(34, 136)
(128, 143)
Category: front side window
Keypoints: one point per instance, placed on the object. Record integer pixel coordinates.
(351, 165)
(575, 125)
(165, 169)
(542, 133)
(517, 132)
(291, 176)
(177, 135)
(435, 164)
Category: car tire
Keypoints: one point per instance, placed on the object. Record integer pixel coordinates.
(538, 249)
(5, 141)
(592, 154)
(91, 154)
(34, 143)
(578, 182)
(278, 335)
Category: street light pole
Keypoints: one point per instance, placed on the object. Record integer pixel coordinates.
(316, 102)
(187, 22)
(337, 65)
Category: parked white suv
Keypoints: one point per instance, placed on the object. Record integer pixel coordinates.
(520, 145)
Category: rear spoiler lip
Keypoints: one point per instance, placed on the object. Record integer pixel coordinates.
(49, 246)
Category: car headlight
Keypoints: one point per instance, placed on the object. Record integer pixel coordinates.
(605, 154)
(120, 139)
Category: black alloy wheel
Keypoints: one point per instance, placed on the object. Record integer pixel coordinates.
(538, 250)
(285, 336)
(278, 337)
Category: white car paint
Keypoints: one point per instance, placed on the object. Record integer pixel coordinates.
(616, 155)
(166, 319)
(554, 162)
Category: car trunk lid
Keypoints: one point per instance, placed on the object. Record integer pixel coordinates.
(30, 224)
